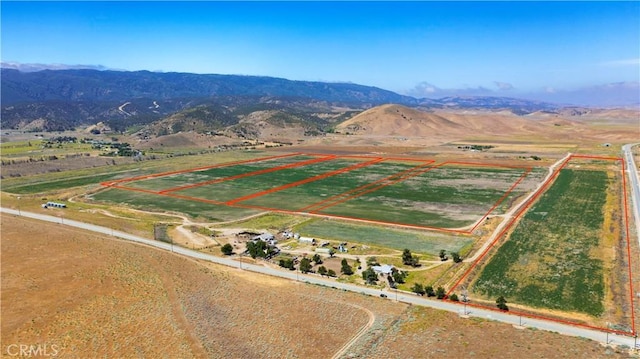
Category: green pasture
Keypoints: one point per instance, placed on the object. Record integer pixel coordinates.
(444, 197)
(33, 148)
(416, 241)
(299, 197)
(181, 179)
(548, 261)
(157, 203)
(229, 190)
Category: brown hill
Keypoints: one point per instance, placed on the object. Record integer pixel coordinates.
(446, 125)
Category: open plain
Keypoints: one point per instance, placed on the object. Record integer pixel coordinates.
(90, 295)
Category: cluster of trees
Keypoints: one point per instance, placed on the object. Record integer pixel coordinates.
(305, 265)
(396, 277)
(454, 255)
(322, 270)
(439, 292)
(410, 259)
(287, 263)
(346, 268)
(260, 249)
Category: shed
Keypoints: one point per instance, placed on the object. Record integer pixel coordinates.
(307, 240)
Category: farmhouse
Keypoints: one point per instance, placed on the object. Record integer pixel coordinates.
(383, 269)
(266, 237)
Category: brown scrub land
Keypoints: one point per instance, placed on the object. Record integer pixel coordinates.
(94, 296)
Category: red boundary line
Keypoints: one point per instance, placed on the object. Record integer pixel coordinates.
(306, 180)
(163, 174)
(410, 174)
(249, 174)
(524, 209)
(403, 175)
(365, 186)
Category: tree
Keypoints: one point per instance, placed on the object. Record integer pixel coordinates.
(456, 257)
(440, 293)
(322, 270)
(407, 257)
(454, 297)
(392, 283)
(443, 255)
(398, 276)
(372, 261)
(418, 289)
(501, 303)
(346, 268)
(331, 273)
(305, 265)
(287, 263)
(256, 249)
(429, 290)
(317, 258)
(332, 252)
(227, 249)
(415, 261)
(369, 275)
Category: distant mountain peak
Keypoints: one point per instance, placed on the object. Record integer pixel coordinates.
(40, 67)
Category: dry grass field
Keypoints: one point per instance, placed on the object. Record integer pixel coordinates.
(92, 296)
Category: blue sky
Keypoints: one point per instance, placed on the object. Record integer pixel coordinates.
(418, 48)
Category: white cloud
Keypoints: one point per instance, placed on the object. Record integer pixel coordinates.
(624, 62)
(503, 86)
(425, 89)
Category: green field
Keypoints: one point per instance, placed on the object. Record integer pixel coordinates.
(444, 197)
(157, 203)
(181, 179)
(232, 189)
(419, 242)
(299, 197)
(450, 196)
(550, 259)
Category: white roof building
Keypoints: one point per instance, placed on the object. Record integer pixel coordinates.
(383, 269)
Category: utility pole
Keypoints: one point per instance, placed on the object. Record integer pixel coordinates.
(19, 213)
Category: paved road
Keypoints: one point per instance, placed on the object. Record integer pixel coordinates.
(632, 169)
(405, 297)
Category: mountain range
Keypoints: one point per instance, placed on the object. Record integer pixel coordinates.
(65, 99)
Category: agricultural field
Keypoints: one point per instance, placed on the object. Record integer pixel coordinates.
(447, 196)
(562, 253)
(408, 192)
(429, 243)
(153, 202)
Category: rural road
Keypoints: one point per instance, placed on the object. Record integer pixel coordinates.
(507, 217)
(632, 169)
(505, 317)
